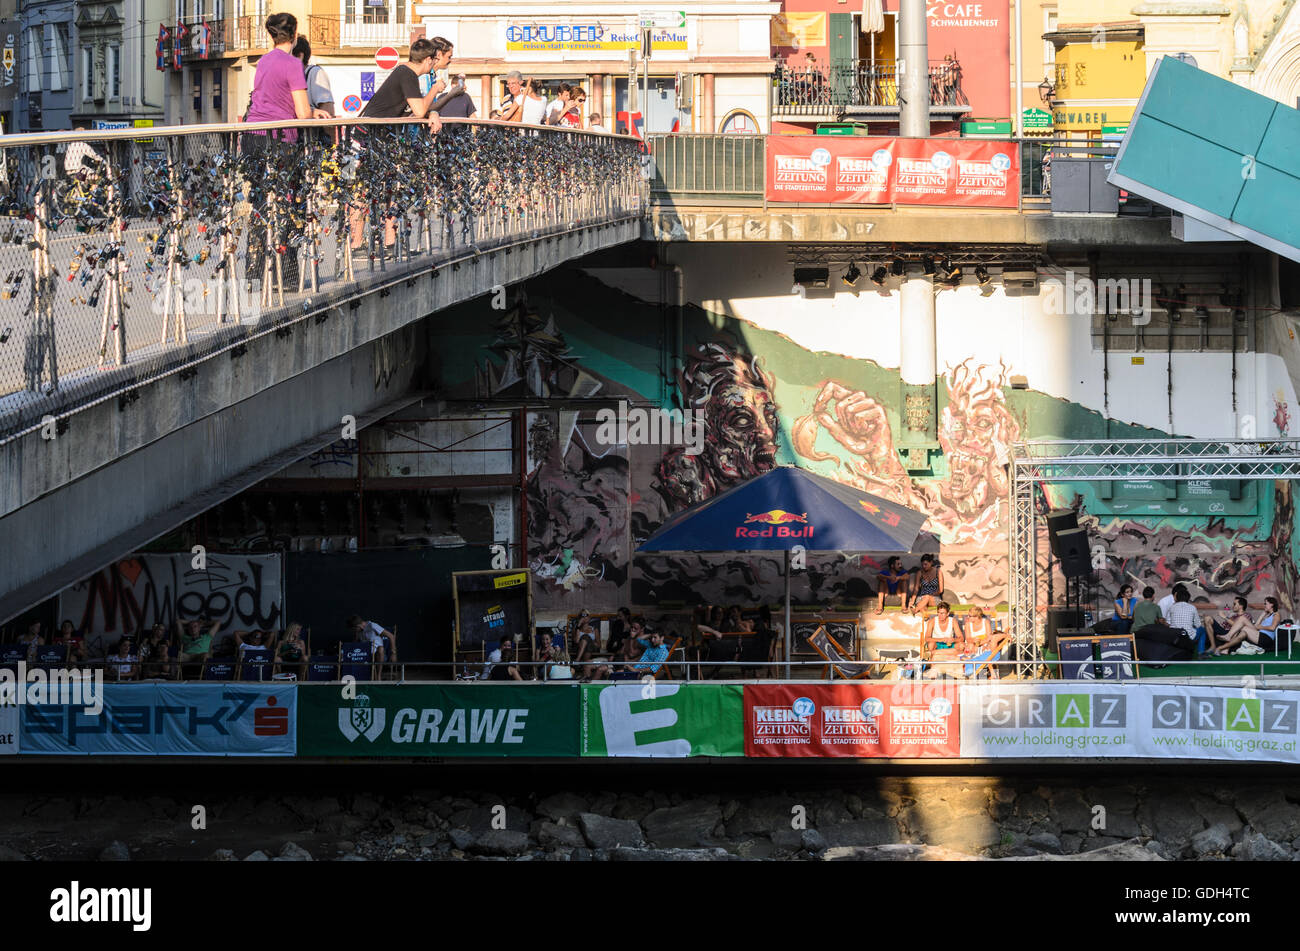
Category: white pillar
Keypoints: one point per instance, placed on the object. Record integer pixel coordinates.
(917, 360)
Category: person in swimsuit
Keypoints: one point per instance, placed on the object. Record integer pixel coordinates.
(929, 585)
(1262, 633)
(943, 635)
(979, 631)
(892, 580)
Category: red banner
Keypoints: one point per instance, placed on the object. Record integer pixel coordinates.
(852, 719)
(877, 171)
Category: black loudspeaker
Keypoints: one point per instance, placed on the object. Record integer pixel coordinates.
(1062, 621)
(1060, 520)
(1076, 559)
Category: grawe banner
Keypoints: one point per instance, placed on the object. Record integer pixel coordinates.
(1149, 720)
(452, 720)
(852, 719)
(852, 169)
(243, 592)
(663, 720)
(168, 720)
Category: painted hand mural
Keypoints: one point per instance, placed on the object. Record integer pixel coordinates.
(975, 430)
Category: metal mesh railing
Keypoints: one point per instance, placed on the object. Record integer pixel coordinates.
(124, 259)
(819, 89)
(715, 165)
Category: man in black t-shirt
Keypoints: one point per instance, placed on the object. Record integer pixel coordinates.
(455, 103)
(400, 96)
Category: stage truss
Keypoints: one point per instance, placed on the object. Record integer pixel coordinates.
(1178, 460)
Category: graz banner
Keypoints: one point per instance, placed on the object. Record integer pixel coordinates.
(168, 720)
(901, 720)
(878, 171)
(240, 591)
(1148, 720)
(671, 720)
(454, 720)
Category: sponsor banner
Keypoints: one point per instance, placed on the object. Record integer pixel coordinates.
(243, 592)
(867, 170)
(453, 720)
(587, 37)
(1148, 720)
(852, 719)
(1040, 719)
(666, 720)
(8, 730)
(798, 30)
(168, 720)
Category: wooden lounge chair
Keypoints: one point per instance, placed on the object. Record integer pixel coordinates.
(836, 657)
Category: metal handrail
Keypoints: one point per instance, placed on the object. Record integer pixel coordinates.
(213, 207)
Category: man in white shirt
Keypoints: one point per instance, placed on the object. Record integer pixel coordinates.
(1167, 601)
(383, 643)
(594, 123)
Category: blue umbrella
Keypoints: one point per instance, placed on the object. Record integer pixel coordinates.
(788, 507)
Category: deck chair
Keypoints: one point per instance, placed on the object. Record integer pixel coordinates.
(356, 659)
(255, 664)
(322, 668)
(983, 663)
(664, 673)
(51, 655)
(219, 669)
(836, 657)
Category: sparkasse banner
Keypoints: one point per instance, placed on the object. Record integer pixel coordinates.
(866, 170)
(662, 719)
(453, 720)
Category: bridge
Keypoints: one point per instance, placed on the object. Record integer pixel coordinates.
(184, 315)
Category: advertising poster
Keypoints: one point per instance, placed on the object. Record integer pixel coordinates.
(168, 720)
(852, 719)
(8, 730)
(668, 720)
(454, 720)
(982, 173)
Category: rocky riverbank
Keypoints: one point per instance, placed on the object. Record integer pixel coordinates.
(888, 819)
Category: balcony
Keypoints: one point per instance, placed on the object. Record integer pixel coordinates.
(225, 37)
(373, 35)
(864, 90)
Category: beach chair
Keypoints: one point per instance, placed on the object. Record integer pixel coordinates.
(219, 669)
(322, 668)
(356, 659)
(255, 664)
(836, 657)
(984, 663)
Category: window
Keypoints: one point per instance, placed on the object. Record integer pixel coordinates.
(1049, 48)
(375, 12)
(87, 72)
(739, 121)
(216, 92)
(349, 11)
(198, 91)
(56, 38)
(35, 57)
(114, 70)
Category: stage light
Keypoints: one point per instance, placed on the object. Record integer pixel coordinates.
(898, 268)
(852, 274)
(951, 273)
(927, 266)
(879, 275)
(982, 275)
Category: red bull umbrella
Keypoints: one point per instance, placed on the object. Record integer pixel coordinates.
(788, 507)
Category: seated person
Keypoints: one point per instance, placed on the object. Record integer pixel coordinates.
(1262, 633)
(735, 622)
(155, 654)
(195, 641)
(1183, 615)
(292, 652)
(979, 631)
(246, 639)
(508, 669)
(942, 635)
(1146, 612)
(654, 654)
(758, 649)
(928, 585)
(76, 647)
(619, 630)
(123, 663)
(383, 642)
(494, 657)
(557, 665)
(32, 638)
(586, 638)
(892, 581)
(1125, 604)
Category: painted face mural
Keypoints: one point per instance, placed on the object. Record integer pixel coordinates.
(735, 395)
(975, 431)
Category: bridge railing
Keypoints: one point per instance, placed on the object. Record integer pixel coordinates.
(128, 255)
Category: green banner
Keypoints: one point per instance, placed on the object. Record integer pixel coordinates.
(452, 720)
(656, 719)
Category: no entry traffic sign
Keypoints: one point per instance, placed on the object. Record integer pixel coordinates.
(386, 58)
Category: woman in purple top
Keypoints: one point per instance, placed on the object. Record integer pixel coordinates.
(279, 95)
